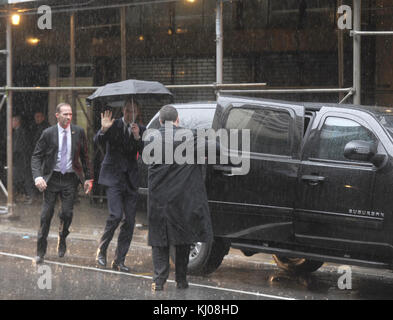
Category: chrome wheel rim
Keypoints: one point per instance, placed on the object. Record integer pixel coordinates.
(195, 250)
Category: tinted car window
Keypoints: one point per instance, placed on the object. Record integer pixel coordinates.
(387, 122)
(336, 133)
(190, 118)
(269, 129)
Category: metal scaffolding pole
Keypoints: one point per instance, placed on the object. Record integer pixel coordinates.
(10, 196)
(32, 89)
(123, 41)
(219, 42)
(73, 64)
(180, 86)
(340, 55)
(371, 33)
(357, 71)
(294, 90)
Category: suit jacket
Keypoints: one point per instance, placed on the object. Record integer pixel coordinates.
(119, 167)
(44, 156)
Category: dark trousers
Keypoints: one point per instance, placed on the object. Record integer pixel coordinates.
(122, 208)
(23, 181)
(161, 263)
(64, 186)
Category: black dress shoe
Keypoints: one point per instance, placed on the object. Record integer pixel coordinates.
(120, 267)
(157, 286)
(28, 200)
(38, 260)
(101, 259)
(182, 285)
(61, 247)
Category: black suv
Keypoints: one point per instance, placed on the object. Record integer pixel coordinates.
(318, 188)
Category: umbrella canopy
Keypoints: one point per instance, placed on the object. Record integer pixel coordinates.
(117, 91)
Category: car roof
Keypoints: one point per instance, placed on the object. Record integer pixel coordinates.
(195, 105)
(376, 110)
(316, 106)
(309, 106)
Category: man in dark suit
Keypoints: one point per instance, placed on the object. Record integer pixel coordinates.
(119, 174)
(20, 147)
(39, 125)
(59, 163)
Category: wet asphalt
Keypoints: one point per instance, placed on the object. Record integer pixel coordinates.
(76, 277)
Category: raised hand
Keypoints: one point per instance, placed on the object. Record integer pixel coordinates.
(135, 131)
(106, 120)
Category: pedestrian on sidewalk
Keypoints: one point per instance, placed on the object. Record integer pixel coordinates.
(59, 163)
(119, 174)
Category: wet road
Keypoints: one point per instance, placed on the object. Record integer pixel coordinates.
(76, 277)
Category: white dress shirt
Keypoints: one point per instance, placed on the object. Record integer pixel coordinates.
(125, 127)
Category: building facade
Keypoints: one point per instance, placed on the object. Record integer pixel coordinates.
(283, 43)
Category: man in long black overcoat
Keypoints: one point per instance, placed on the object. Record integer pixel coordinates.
(178, 211)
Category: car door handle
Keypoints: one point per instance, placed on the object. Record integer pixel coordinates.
(313, 180)
(225, 170)
(228, 174)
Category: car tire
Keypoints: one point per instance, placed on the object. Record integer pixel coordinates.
(205, 258)
(297, 265)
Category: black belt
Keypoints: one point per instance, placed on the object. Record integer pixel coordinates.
(59, 174)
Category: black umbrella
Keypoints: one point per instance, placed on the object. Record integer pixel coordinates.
(129, 87)
(115, 94)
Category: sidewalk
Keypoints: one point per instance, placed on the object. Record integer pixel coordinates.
(88, 224)
(88, 221)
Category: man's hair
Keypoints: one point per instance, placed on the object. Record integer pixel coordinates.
(168, 113)
(62, 104)
(131, 101)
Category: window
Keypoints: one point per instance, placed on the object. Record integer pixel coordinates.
(191, 118)
(386, 121)
(336, 133)
(269, 129)
(302, 14)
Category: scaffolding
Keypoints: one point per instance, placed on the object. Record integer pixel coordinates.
(218, 86)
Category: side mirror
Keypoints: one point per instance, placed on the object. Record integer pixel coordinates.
(364, 151)
(379, 160)
(360, 150)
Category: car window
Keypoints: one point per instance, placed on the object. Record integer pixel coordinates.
(336, 133)
(269, 129)
(190, 118)
(387, 122)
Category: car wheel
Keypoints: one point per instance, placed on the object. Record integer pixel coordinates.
(297, 265)
(205, 257)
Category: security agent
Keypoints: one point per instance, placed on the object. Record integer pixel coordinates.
(59, 163)
(178, 211)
